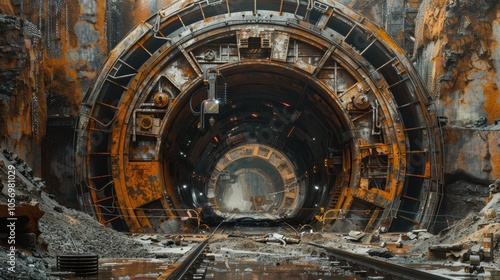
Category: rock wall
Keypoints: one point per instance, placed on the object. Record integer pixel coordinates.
(458, 55)
(475, 151)
(23, 109)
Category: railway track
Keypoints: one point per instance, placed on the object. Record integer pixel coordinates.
(191, 265)
(396, 270)
(196, 264)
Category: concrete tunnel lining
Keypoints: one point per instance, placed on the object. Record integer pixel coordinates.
(125, 181)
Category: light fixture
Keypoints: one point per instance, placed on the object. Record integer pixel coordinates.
(316, 187)
(184, 186)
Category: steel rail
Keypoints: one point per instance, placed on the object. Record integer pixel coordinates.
(179, 269)
(402, 272)
(182, 265)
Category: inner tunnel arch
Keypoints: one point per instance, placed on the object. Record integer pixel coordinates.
(325, 91)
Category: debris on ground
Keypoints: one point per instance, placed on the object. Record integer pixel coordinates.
(380, 252)
(57, 229)
(467, 232)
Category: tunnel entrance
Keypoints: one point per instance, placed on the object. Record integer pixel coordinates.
(251, 179)
(279, 110)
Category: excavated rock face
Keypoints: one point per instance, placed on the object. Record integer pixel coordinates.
(461, 198)
(457, 53)
(22, 103)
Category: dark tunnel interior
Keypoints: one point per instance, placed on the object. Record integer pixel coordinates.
(263, 108)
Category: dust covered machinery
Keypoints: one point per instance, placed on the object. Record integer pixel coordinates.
(313, 115)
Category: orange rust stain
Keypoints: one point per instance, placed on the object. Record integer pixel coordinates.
(6, 7)
(451, 137)
(434, 21)
(495, 154)
(491, 104)
(140, 11)
(101, 25)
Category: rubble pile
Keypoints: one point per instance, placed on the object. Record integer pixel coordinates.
(469, 232)
(27, 267)
(71, 231)
(62, 230)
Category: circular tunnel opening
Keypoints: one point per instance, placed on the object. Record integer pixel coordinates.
(246, 185)
(340, 107)
(263, 154)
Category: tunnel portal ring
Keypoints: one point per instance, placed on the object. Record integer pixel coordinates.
(279, 161)
(104, 123)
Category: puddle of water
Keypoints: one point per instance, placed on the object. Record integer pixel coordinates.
(125, 269)
(259, 270)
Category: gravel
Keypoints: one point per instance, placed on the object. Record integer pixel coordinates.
(63, 230)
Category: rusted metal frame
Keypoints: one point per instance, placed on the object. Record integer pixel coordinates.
(399, 82)
(93, 195)
(400, 184)
(326, 20)
(100, 153)
(107, 105)
(104, 199)
(416, 128)
(117, 68)
(384, 65)
(117, 84)
(144, 48)
(361, 115)
(133, 221)
(416, 152)
(112, 219)
(100, 177)
(408, 104)
(323, 60)
(202, 12)
(193, 62)
(350, 31)
(182, 22)
(130, 218)
(95, 96)
(373, 218)
(101, 123)
(354, 169)
(410, 198)
(418, 176)
(296, 9)
(369, 45)
(99, 129)
(408, 219)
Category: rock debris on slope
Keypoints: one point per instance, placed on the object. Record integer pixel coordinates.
(62, 230)
(470, 230)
